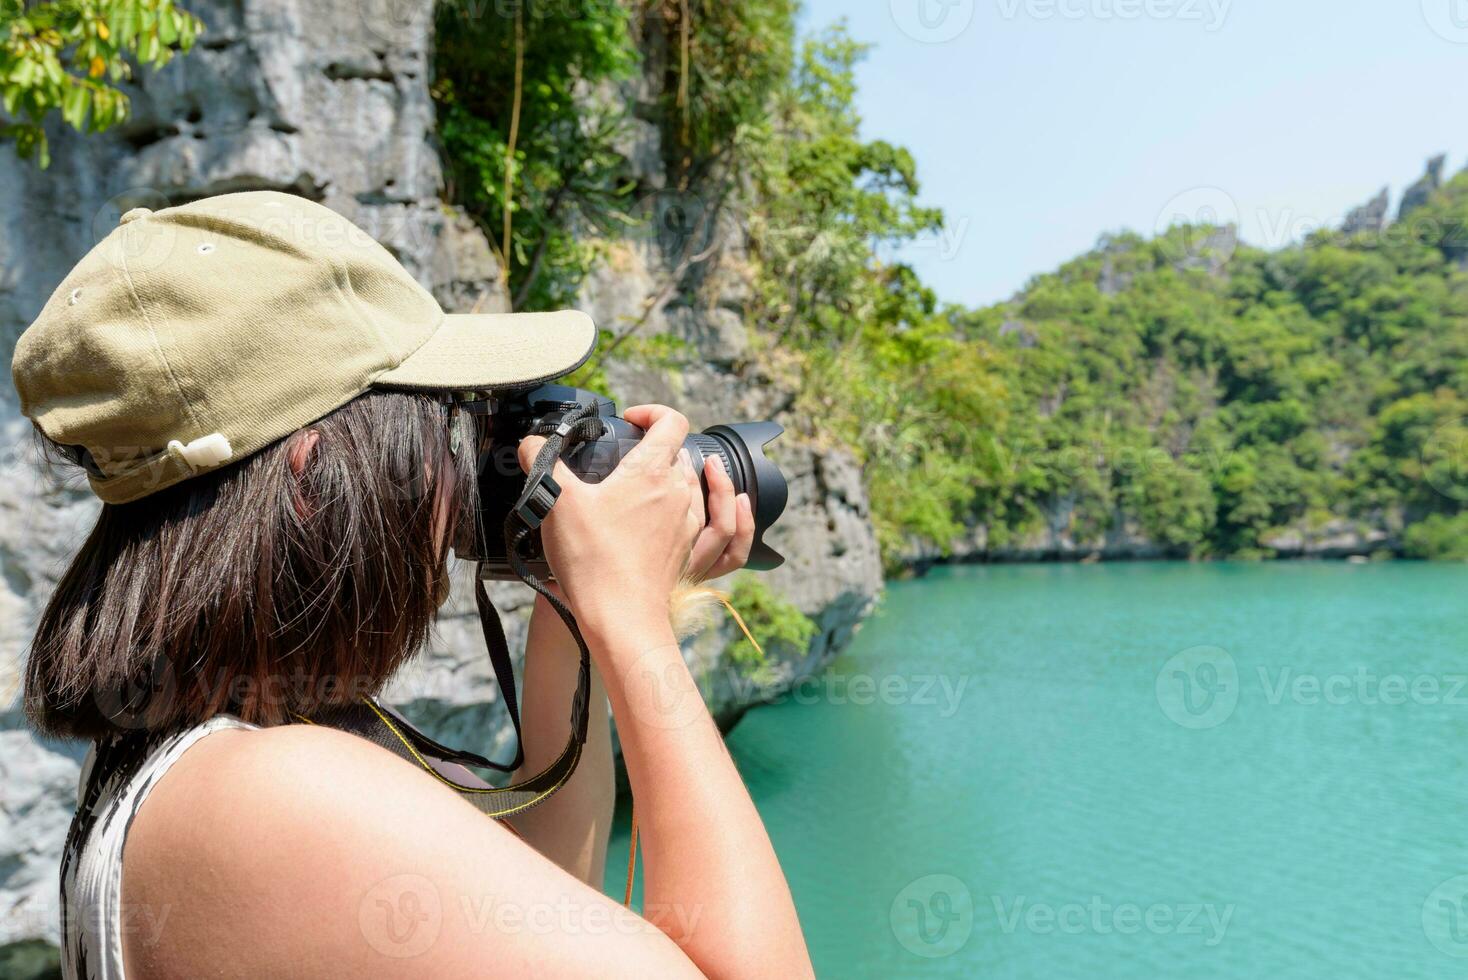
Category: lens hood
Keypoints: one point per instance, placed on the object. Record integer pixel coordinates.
(758, 476)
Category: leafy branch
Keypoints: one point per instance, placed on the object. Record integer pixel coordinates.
(66, 56)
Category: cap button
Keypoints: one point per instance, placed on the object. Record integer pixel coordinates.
(134, 213)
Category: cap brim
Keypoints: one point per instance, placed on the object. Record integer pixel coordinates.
(473, 351)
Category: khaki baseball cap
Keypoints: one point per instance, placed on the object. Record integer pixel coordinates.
(193, 336)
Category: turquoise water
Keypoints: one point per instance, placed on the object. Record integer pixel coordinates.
(1132, 770)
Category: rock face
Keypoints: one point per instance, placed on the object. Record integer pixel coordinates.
(1057, 541)
(1425, 186)
(1126, 541)
(331, 101)
(1370, 216)
(1336, 538)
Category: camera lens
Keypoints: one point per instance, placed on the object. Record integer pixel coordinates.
(705, 445)
(740, 447)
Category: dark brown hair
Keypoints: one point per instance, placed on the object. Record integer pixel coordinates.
(255, 589)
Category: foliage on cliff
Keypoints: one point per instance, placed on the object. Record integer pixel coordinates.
(512, 89)
(877, 370)
(66, 56)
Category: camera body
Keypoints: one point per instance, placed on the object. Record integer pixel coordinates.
(502, 422)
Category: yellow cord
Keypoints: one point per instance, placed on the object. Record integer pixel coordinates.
(631, 858)
(723, 597)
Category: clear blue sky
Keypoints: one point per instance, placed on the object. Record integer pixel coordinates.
(1039, 124)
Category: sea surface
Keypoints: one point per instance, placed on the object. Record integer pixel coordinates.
(1131, 771)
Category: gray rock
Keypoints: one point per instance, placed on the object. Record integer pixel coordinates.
(334, 113)
(1335, 538)
(1369, 217)
(1210, 250)
(1424, 187)
(1024, 333)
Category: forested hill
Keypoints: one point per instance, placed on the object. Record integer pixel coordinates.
(1214, 399)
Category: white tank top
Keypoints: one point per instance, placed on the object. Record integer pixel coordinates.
(116, 778)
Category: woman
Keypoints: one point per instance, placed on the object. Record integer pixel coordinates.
(261, 397)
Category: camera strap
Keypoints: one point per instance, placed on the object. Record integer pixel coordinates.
(382, 726)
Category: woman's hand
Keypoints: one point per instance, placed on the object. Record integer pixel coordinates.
(618, 547)
(724, 543)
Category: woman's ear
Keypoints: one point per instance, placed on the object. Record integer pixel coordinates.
(303, 443)
(298, 454)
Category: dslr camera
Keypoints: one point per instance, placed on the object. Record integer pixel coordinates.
(501, 422)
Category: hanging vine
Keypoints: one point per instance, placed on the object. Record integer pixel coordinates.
(528, 157)
(509, 197)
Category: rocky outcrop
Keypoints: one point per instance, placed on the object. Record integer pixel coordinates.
(1368, 217)
(331, 101)
(1335, 538)
(1125, 540)
(1057, 541)
(1423, 188)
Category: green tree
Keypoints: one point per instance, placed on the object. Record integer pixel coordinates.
(66, 56)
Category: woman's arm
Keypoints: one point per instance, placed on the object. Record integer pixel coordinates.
(712, 880)
(571, 827)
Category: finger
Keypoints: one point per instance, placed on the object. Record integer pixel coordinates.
(723, 518)
(696, 516)
(664, 435)
(530, 447)
(695, 486)
(736, 554)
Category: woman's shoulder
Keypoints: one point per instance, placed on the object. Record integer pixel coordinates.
(281, 832)
(278, 775)
(259, 793)
(311, 853)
